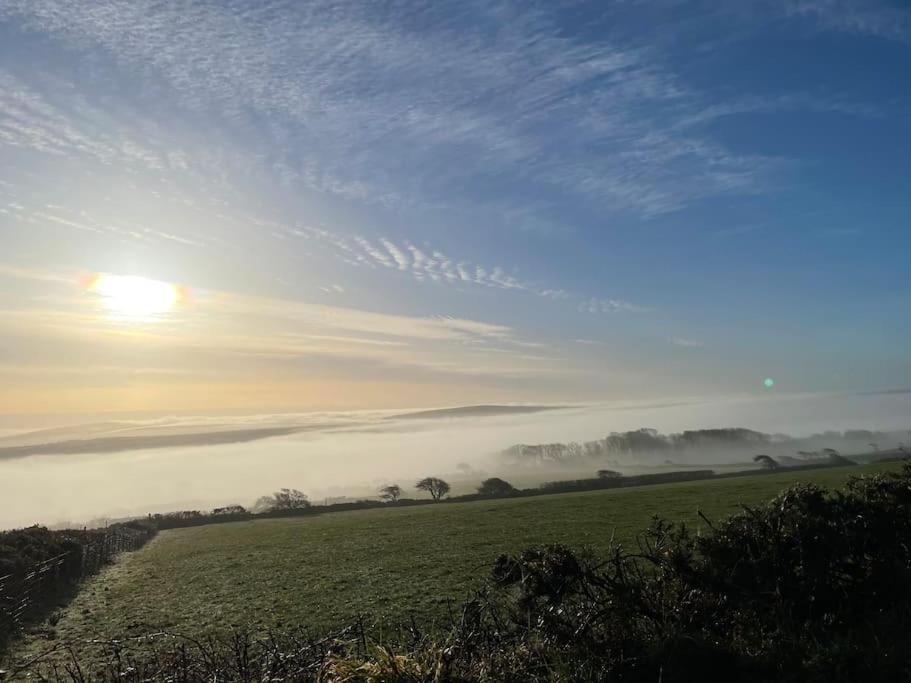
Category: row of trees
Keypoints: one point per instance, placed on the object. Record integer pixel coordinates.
(438, 488)
(289, 500)
(650, 442)
(293, 499)
(639, 441)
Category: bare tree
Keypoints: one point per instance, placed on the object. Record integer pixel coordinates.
(291, 499)
(283, 499)
(437, 488)
(766, 461)
(391, 493)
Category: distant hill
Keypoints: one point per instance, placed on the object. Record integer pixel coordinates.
(55, 434)
(113, 444)
(473, 411)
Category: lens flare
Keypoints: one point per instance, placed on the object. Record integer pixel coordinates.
(135, 298)
(768, 382)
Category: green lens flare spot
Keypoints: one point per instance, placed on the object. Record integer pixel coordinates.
(768, 382)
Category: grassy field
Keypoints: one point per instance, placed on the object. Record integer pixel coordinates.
(385, 564)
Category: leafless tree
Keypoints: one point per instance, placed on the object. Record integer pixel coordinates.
(391, 493)
(283, 499)
(437, 488)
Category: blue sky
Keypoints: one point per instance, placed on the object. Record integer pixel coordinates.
(397, 204)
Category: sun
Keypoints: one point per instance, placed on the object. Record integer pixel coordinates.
(135, 298)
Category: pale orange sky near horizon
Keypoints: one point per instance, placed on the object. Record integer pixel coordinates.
(131, 345)
(90, 349)
(250, 396)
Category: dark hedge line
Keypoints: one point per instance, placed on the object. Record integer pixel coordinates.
(38, 566)
(191, 518)
(593, 484)
(812, 587)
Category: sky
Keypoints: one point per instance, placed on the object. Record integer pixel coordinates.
(282, 206)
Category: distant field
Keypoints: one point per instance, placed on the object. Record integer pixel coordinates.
(385, 564)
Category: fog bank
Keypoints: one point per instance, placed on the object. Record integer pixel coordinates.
(351, 454)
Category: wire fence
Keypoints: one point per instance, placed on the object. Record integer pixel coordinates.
(24, 595)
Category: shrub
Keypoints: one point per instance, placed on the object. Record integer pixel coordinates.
(496, 487)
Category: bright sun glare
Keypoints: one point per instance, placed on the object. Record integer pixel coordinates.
(135, 298)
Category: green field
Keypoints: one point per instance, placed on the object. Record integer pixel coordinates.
(385, 564)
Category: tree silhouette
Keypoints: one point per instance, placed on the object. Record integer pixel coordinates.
(766, 461)
(496, 487)
(283, 499)
(230, 510)
(437, 488)
(391, 493)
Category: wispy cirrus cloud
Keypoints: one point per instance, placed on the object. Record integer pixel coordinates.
(83, 221)
(878, 18)
(429, 264)
(596, 305)
(68, 127)
(400, 106)
(364, 107)
(421, 263)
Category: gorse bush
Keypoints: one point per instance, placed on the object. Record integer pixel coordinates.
(21, 549)
(813, 586)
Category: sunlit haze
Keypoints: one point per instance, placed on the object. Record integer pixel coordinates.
(310, 217)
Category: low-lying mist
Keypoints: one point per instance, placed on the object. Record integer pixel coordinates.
(331, 455)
